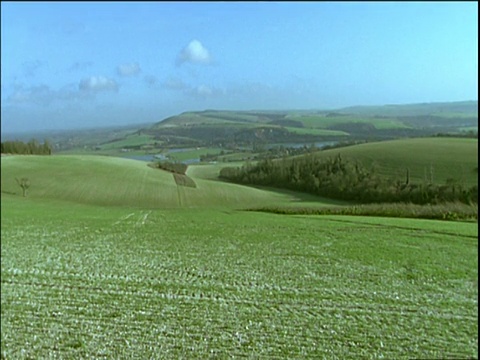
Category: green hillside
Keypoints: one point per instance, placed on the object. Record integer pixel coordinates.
(236, 131)
(441, 158)
(457, 108)
(114, 181)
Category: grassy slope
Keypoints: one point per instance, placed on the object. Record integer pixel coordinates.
(312, 121)
(81, 281)
(450, 157)
(114, 181)
(130, 140)
(467, 108)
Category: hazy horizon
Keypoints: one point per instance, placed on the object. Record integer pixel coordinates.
(86, 64)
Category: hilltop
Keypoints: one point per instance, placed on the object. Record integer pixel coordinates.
(214, 131)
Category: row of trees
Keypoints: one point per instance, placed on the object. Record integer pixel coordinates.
(33, 147)
(345, 180)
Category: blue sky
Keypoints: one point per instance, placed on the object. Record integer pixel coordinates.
(85, 64)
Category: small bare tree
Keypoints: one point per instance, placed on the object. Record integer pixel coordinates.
(24, 183)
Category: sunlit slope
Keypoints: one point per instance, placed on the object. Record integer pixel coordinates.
(113, 181)
(438, 159)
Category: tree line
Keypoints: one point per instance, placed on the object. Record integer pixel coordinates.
(32, 147)
(342, 179)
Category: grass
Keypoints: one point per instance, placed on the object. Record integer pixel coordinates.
(130, 140)
(426, 158)
(189, 154)
(326, 122)
(109, 258)
(110, 181)
(315, 131)
(83, 281)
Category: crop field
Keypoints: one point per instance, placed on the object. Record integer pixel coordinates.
(84, 281)
(315, 131)
(110, 181)
(224, 117)
(130, 140)
(109, 258)
(188, 154)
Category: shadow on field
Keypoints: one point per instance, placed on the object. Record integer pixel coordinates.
(419, 230)
(184, 180)
(299, 197)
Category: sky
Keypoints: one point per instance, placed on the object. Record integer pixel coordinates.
(69, 65)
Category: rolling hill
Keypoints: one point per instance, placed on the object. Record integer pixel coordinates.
(387, 121)
(110, 181)
(237, 130)
(447, 158)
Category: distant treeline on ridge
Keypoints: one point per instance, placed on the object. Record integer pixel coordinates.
(33, 147)
(338, 178)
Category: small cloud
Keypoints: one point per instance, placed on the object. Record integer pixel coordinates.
(43, 95)
(80, 65)
(98, 83)
(150, 80)
(204, 92)
(30, 68)
(128, 69)
(40, 95)
(194, 53)
(173, 83)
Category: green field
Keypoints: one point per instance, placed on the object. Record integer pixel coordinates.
(84, 281)
(128, 141)
(314, 131)
(189, 154)
(109, 258)
(436, 158)
(323, 122)
(101, 180)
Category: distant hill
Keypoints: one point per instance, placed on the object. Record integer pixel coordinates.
(254, 129)
(466, 108)
(236, 128)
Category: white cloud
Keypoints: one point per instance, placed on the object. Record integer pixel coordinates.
(128, 69)
(35, 95)
(194, 53)
(44, 95)
(98, 83)
(203, 90)
(206, 92)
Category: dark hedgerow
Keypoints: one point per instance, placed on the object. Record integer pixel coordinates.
(447, 211)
